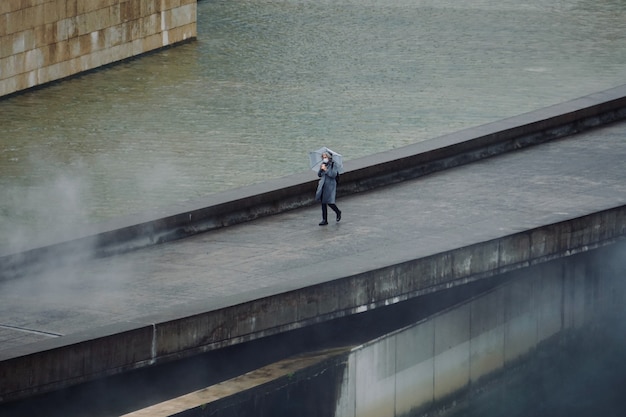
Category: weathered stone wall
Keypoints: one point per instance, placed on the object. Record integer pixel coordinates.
(46, 40)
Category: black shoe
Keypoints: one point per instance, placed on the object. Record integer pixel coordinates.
(339, 216)
(323, 223)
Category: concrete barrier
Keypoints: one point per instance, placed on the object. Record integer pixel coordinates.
(434, 362)
(198, 328)
(430, 365)
(291, 192)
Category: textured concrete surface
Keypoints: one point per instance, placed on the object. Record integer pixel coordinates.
(276, 196)
(454, 208)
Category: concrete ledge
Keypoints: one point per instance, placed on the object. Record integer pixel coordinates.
(430, 365)
(216, 323)
(296, 378)
(291, 192)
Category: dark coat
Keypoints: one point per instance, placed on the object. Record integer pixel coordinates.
(327, 185)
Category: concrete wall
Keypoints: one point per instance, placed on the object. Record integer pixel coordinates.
(46, 40)
(193, 329)
(429, 363)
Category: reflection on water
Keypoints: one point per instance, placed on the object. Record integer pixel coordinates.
(584, 378)
(269, 80)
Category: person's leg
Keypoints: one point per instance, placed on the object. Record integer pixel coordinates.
(336, 210)
(324, 215)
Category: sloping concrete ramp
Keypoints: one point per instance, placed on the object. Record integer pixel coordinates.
(82, 316)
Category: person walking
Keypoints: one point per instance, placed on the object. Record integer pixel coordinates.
(327, 187)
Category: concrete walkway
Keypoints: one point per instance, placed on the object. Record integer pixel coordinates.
(453, 208)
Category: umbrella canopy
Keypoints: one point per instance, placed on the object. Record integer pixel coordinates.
(315, 159)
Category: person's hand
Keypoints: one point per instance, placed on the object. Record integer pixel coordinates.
(323, 167)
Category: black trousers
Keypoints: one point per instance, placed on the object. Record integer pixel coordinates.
(325, 210)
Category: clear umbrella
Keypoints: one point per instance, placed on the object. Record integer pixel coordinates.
(315, 159)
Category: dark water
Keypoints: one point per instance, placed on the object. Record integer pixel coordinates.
(266, 81)
(584, 377)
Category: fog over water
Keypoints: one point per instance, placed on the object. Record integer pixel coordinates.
(266, 81)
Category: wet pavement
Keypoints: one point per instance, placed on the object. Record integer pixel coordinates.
(495, 197)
